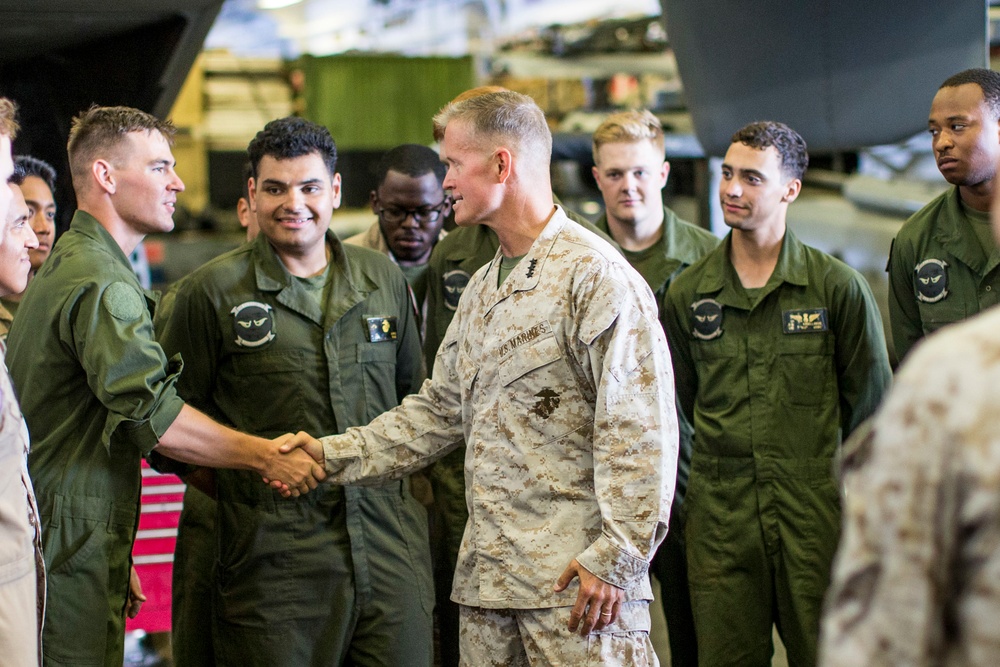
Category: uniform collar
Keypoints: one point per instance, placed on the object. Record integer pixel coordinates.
(87, 225)
(720, 278)
(952, 231)
(526, 274)
(348, 287)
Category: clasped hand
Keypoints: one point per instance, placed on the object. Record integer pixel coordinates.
(294, 464)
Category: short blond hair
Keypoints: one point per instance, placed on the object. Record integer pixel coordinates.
(505, 119)
(629, 127)
(8, 119)
(100, 132)
(461, 97)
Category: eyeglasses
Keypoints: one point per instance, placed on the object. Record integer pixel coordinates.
(422, 216)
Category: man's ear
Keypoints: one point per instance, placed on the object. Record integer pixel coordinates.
(372, 201)
(104, 176)
(504, 163)
(792, 190)
(252, 192)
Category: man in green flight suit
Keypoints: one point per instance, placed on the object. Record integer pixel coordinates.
(328, 331)
(779, 353)
(453, 261)
(98, 392)
(943, 262)
(631, 173)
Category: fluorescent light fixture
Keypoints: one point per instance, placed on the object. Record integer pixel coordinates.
(276, 4)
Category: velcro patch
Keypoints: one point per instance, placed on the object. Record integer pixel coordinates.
(453, 285)
(123, 302)
(381, 329)
(804, 320)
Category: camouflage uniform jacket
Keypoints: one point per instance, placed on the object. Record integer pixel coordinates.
(915, 579)
(560, 384)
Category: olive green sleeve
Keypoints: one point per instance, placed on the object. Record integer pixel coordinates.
(904, 313)
(676, 324)
(862, 361)
(109, 327)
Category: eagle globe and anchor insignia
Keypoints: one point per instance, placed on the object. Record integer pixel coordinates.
(706, 317)
(931, 280)
(253, 324)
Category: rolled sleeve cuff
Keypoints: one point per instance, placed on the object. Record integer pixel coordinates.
(144, 434)
(607, 561)
(337, 453)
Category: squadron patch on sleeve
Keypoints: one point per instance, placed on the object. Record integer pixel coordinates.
(381, 329)
(454, 283)
(123, 302)
(253, 324)
(931, 280)
(706, 318)
(804, 320)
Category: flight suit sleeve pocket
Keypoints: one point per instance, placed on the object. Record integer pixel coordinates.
(530, 357)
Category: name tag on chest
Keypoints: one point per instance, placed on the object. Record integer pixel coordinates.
(805, 320)
(381, 329)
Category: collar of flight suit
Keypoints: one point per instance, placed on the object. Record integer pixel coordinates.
(349, 287)
(526, 274)
(468, 243)
(720, 278)
(676, 249)
(87, 225)
(951, 230)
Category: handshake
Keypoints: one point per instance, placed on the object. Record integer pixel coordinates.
(293, 464)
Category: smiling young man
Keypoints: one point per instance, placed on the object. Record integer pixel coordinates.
(327, 331)
(38, 188)
(778, 352)
(98, 392)
(943, 262)
(631, 172)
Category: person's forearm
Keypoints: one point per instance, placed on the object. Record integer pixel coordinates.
(194, 438)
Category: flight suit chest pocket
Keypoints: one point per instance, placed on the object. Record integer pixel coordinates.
(279, 375)
(540, 401)
(718, 370)
(935, 315)
(804, 368)
(377, 363)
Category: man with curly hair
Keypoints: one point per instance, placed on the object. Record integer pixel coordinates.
(328, 332)
(779, 353)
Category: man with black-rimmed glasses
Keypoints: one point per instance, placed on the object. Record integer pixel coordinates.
(411, 207)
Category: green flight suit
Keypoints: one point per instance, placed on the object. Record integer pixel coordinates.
(97, 394)
(681, 245)
(771, 386)
(453, 261)
(342, 573)
(938, 272)
(192, 585)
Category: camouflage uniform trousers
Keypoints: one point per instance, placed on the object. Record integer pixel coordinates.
(521, 637)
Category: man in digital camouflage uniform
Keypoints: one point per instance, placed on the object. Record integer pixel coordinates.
(915, 579)
(779, 352)
(556, 375)
(453, 261)
(98, 392)
(943, 262)
(631, 172)
(327, 332)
